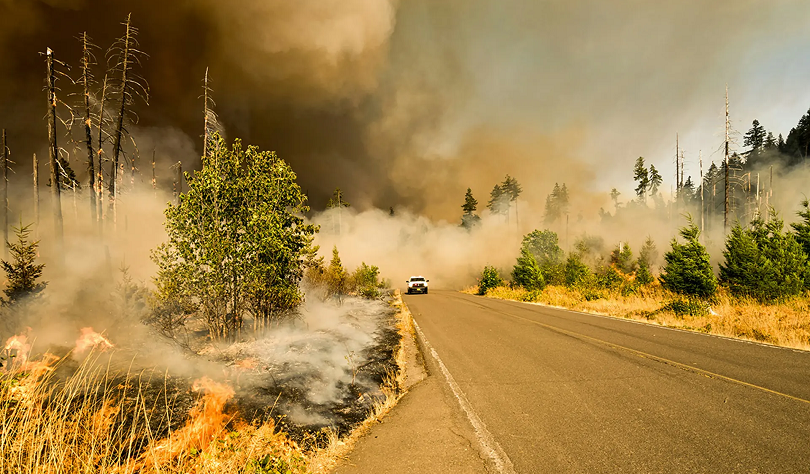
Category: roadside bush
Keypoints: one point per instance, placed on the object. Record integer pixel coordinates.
(763, 262)
(527, 272)
(688, 270)
(489, 279)
(688, 307)
(366, 281)
(608, 277)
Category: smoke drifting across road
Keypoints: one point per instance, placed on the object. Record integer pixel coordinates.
(360, 94)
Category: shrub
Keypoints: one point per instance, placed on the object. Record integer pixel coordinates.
(687, 306)
(366, 280)
(527, 272)
(608, 277)
(688, 270)
(763, 262)
(489, 279)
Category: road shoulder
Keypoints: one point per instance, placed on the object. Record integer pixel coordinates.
(425, 432)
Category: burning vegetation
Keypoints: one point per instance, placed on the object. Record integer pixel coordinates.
(244, 354)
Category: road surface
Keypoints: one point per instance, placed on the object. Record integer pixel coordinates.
(548, 390)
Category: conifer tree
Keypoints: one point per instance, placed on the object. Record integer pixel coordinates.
(688, 270)
(527, 273)
(21, 271)
(642, 176)
(655, 180)
(469, 219)
(647, 256)
(622, 258)
(755, 137)
(763, 262)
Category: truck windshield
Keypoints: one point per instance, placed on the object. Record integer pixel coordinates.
(417, 279)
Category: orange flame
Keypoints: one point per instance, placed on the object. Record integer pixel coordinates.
(90, 338)
(206, 420)
(20, 345)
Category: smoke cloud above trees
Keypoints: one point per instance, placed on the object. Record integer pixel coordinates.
(409, 103)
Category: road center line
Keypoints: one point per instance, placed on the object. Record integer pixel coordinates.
(489, 446)
(653, 357)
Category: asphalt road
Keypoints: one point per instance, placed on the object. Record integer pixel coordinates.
(559, 391)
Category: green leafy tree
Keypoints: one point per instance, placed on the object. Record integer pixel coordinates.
(545, 248)
(527, 273)
(469, 219)
(642, 176)
(236, 240)
(763, 262)
(647, 257)
(489, 279)
(366, 280)
(688, 270)
(22, 272)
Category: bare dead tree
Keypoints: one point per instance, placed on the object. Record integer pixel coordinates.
(127, 55)
(725, 160)
(211, 121)
(5, 193)
(88, 59)
(53, 149)
(36, 195)
(154, 178)
(99, 190)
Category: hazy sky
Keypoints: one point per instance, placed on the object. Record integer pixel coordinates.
(407, 103)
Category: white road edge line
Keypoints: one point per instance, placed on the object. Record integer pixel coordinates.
(489, 446)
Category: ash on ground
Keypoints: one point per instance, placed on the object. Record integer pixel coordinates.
(322, 369)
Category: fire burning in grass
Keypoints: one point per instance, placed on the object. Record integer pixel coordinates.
(90, 338)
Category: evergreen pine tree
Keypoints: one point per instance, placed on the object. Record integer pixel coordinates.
(688, 270)
(469, 219)
(755, 137)
(647, 256)
(763, 262)
(527, 273)
(622, 258)
(22, 273)
(642, 176)
(655, 180)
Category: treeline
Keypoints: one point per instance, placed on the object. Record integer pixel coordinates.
(761, 261)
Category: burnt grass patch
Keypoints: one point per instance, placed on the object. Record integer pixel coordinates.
(283, 393)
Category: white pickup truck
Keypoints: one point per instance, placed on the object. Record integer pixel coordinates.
(417, 284)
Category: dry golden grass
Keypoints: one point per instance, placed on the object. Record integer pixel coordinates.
(88, 424)
(785, 324)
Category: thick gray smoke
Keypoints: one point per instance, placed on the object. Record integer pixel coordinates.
(406, 104)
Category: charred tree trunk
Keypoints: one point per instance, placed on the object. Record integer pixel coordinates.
(154, 179)
(36, 194)
(206, 112)
(5, 193)
(86, 60)
(53, 151)
(119, 125)
(99, 190)
(725, 160)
